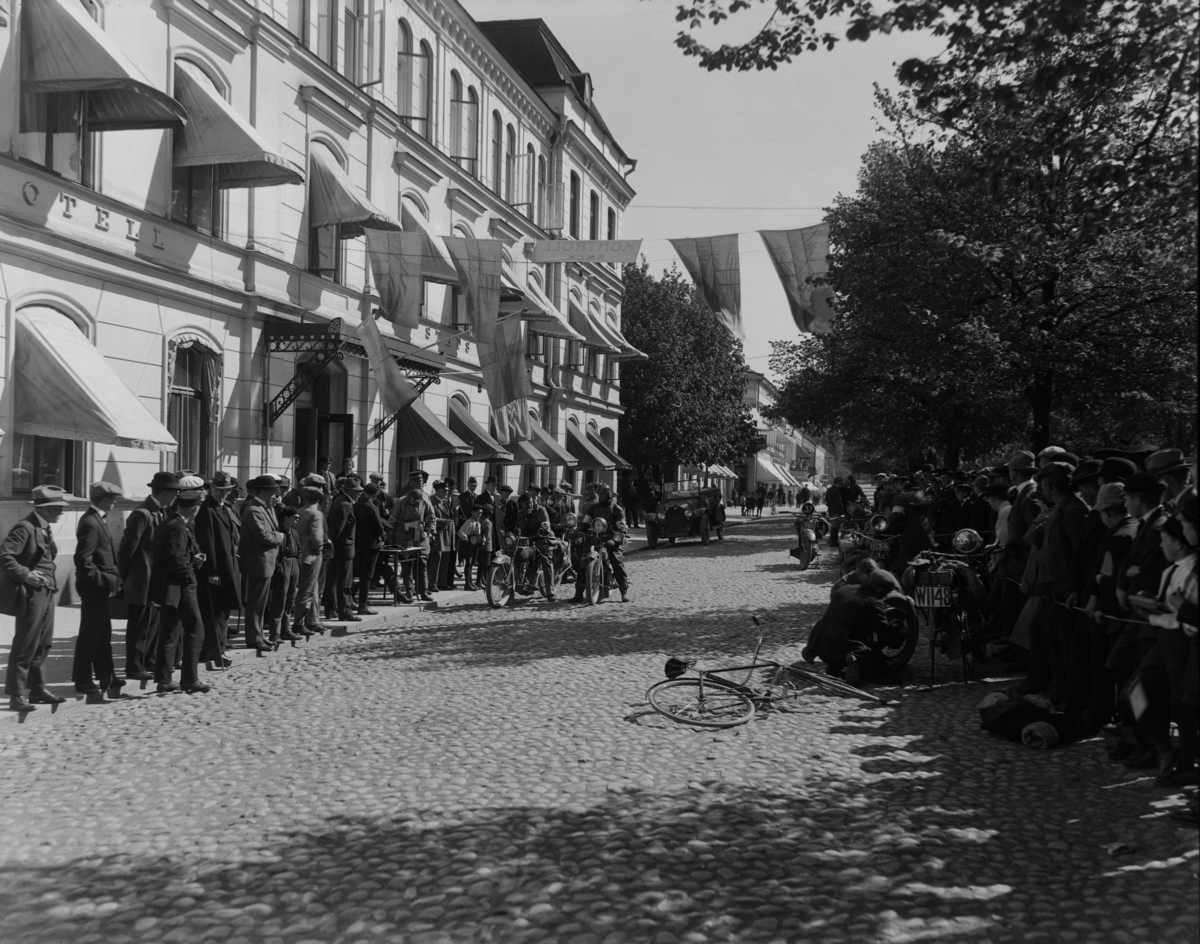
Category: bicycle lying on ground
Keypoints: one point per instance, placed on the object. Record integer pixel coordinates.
(707, 700)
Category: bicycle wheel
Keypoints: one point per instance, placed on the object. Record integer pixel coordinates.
(715, 707)
(833, 684)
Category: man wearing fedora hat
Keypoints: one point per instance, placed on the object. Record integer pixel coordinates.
(97, 581)
(173, 583)
(220, 588)
(257, 551)
(27, 560)
(135, 555)
(1170, 466)
(341, 526)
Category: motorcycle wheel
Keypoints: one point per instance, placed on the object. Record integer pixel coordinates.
(806, 553)
(892, 658)
(593, 581)
(499, 586)
(704, 538)
(651, 536)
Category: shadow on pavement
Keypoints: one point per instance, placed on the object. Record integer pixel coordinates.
(921, 849)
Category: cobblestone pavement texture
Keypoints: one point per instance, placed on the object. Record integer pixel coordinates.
(475, 775)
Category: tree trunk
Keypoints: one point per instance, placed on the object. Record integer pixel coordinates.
(1041, 397)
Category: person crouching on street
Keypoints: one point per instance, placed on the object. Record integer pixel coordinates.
(855, 616)
(173, 587)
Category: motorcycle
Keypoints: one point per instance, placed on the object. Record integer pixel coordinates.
(810, 528)
(515, 571)
(592, 552)
(868, 541)
(951, 590)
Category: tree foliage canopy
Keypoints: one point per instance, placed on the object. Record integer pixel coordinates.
(684, 405)
(1108, 87)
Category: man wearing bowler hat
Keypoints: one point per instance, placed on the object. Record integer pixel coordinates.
(1170, 466)
(97, 581)
(27, 559)
(259, 546)
(173, 583)
(135, 555)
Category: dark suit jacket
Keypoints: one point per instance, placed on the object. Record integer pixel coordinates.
(261, 537)
(135, 553)
(1064, 528)
(1021, 517)
(95, 557)
(1145, 564)
(174, 546)
(341, 525)
(216, 533)
(368, 526)
(25, 549)
(852, 617)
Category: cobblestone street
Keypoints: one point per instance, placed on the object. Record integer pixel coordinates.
(465, 774)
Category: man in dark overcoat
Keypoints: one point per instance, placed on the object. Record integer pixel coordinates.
(97, 582)
(134, 557)
(220, 588)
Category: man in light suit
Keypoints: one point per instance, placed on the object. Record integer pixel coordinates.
(97, 582)
(310, 528)
(257, 550)
(27, 559)
(134, 558)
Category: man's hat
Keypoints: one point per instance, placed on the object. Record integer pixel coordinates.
(996, 491)
(1111, 495)
(1165, 461)
(1022, 460)
(981, 481)
(1143, 483)
(961, 485)
(1174, 527)
(1059, 469)
(317, 481)
(1116, 468)
(506, 488)
(1086, 470)
(188, 499)
(375, 476)
(371, 488)
(262, 482)
(286, 511)
(472, 481)
(222, 480)
(352, 483)
(310, 494)
(438, 483)
(164, 480)
(927, 467)
(1187, 505)
(284, 481)
(1050, 452)
(46, 496)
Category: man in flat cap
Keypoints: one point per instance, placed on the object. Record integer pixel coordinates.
(97, 581)
(135, 555)
(173, 585)
(27, 559)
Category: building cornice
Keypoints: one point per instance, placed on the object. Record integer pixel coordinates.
(225, 36)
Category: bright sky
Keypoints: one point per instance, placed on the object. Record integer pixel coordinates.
(776, 145)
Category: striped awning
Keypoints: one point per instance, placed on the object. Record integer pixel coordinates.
(334, 199)
(421, 435)
(526, 453)
(546, 443)
(486, 448)
(590, 458)
(607, 452)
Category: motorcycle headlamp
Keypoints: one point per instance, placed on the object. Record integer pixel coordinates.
(808, 508)
(599, 526)
(967, 541)
(509, 540)
(879, 523)
(570, 520)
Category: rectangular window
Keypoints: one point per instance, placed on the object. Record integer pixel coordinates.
(325, 46)
(575, 355)
(187, 412)
(535, 345)
(195, 201)
(612, 224)
(350, 39)
(297, 18)
(574, 219)
(594, 216)
(614, 372)
(325, 256)
(38, 460)
(593, 362)
(54, 134)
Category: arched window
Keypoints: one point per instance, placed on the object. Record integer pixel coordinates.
(422, 96)
(510, 159)
(471, 131)
(497, 155)
(405, 73)
(594, 215)
(541, 191)
(574, 218)
(193, 402)
(457, 107)
(195, 199)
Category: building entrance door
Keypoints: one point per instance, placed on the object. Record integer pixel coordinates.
(322, 425)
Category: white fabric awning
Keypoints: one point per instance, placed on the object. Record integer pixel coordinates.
(421, 435)
(65, 50)
(542, 314)
(486, 448)
(608, 453)
(333, 199)
(586, 325)
(626, 351)
(766, 471)
(65, 389)
(436, 264)
(547, 444)
(218, 135)
(590, 458)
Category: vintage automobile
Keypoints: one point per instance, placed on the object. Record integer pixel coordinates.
(688, 512)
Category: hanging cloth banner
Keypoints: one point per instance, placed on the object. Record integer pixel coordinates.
(396, 260)
(478, 264)
(395, 392)
(713, 264)
(505, 375)
(618, 251)
(798, 254)
(512, 421)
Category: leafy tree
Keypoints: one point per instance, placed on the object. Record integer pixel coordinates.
(683, 406)
(956, 335)
(1106, 87)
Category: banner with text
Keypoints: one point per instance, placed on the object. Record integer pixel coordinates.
(618, 251)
